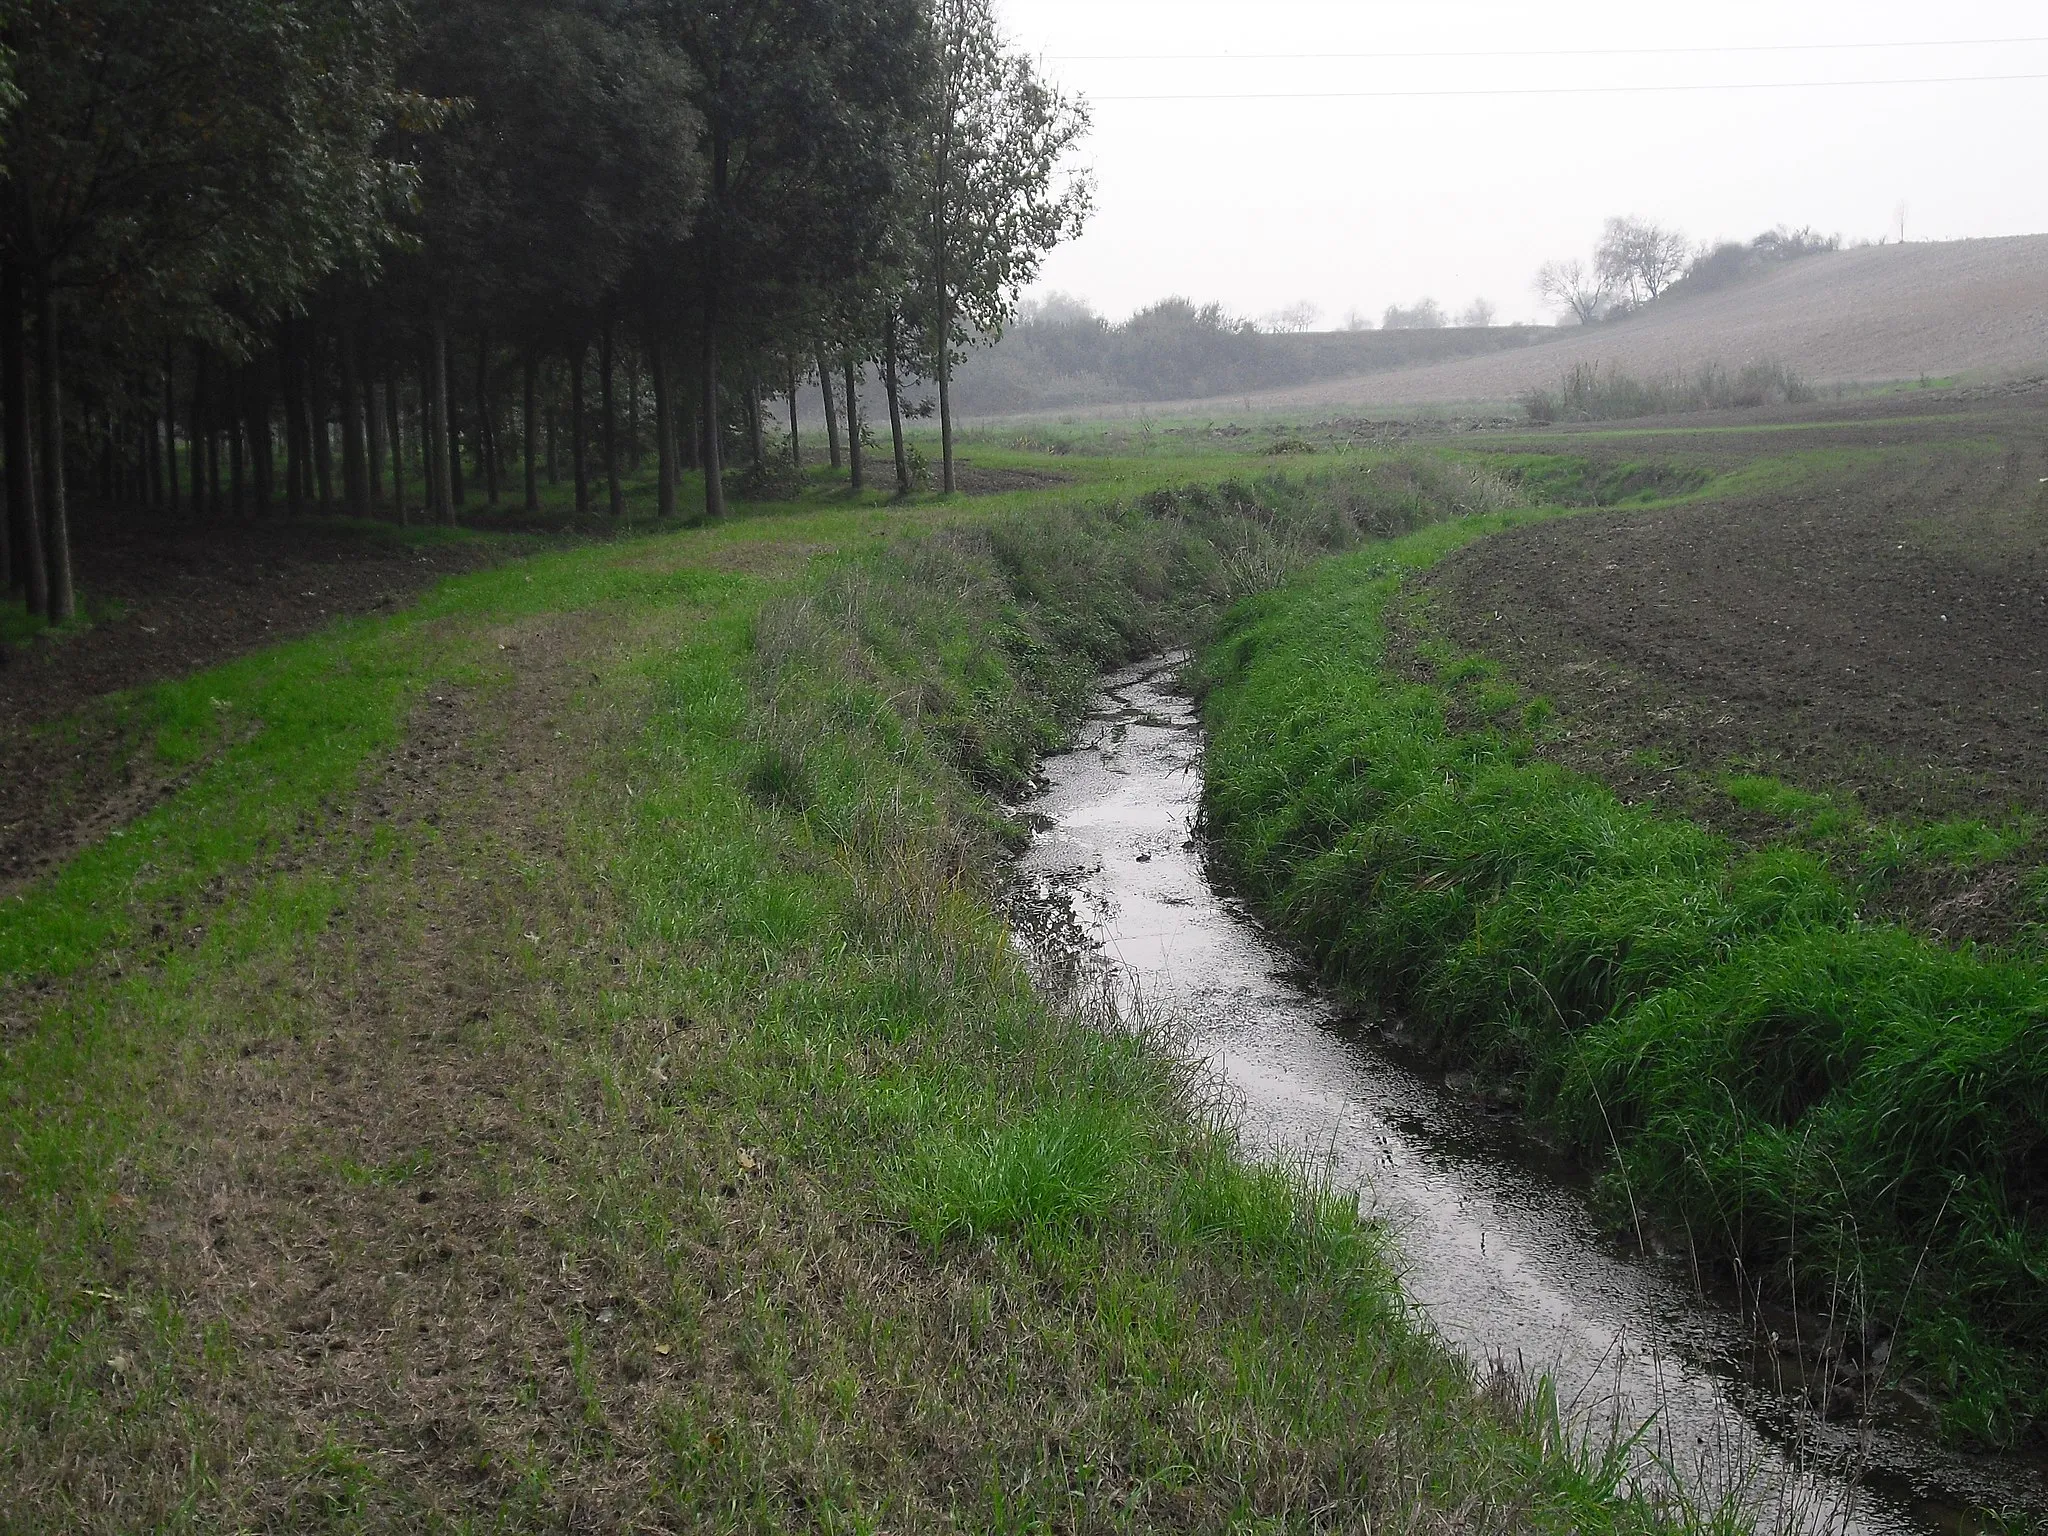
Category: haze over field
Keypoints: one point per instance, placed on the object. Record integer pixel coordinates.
(1977, 309)
(1356, 156)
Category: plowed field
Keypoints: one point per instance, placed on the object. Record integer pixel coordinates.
(1858, 607)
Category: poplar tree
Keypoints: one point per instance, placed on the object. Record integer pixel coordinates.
(572, 156)
(801, 101)
(185, 168)
(993, 189)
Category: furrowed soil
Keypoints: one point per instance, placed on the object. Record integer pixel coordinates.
(1857, 604)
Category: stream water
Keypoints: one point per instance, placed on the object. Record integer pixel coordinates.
(1495, 1239)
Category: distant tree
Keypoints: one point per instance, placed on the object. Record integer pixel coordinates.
(1573, 288)
(1782, 244)
(1639, 259)
(993, 200)
(1056, 308)
(1292, 319)
(1178, 347)
(1356, 320)
(1422, 315)
(1479, 313)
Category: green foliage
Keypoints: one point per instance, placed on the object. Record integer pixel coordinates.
(1835, 1108)
(198, 162)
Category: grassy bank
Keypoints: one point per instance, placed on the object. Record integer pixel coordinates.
(556, 1063)
(1834, 1108)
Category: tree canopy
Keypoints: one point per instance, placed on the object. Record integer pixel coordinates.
(266, 257)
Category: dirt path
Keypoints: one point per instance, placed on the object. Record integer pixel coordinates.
(340, 1210)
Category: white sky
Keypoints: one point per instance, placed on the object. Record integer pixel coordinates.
(1358, 203)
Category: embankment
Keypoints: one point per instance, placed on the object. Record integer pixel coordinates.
(555, 1062)
(1831, 1108)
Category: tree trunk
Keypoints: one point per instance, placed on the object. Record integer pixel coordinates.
(664, 428)
(529, 379)
(685, 409)
(895, 408)
(394, 426)
(831, 409)
(216, 503)
(153, 475)
(451, 411)
(171, 431)
(296, 476)
(796, 450)
(553, 457)
(238, 476)
(486, 420)
(355, 453)
(373, 410)
(195, 456)
(265, 467)
(757, 447)
(633, 446)
(31, 575)
(945, 391)
(373, 435)
(615, 493)
(579, 430)
(206, 436)
(855, 478)
(63, 602)
(440, 433)
(323, 443)
(714, 449)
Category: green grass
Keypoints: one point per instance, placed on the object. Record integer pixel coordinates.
(1575, 481)
(1834, 1107)
(664, 972)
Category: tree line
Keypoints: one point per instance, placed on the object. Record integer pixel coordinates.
(378, 257)
(1638, 260)
(1058, 351)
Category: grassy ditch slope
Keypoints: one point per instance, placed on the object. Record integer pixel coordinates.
(556, 1065)
(1839, 1108)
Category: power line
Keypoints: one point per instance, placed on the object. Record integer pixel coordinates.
(1545, 53)
(1568, 90)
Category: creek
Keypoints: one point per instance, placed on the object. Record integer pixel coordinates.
(1495, 1238)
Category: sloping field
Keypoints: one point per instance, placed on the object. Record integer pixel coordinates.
(1864, 316)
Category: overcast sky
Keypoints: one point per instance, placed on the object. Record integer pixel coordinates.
(1246, 188)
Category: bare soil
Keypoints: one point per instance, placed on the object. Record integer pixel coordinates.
(1882, 629)
(171, 599)
(165, 601)
(974, 480)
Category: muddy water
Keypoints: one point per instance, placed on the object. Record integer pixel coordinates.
(1494, 1236)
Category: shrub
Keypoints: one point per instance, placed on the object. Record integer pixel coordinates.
(1585, 393)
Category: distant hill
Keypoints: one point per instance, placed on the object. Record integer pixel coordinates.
(1177, 349)
(1963, 307)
